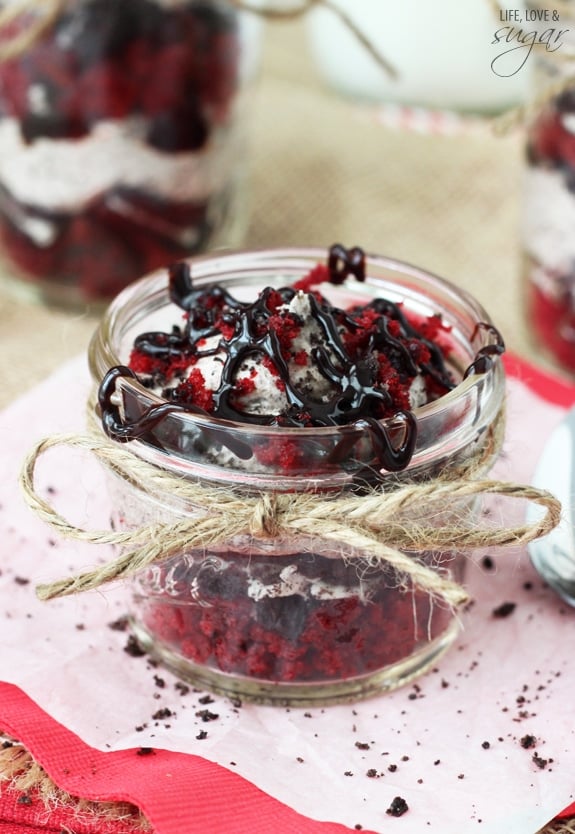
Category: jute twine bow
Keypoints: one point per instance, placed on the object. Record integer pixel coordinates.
(378, 526)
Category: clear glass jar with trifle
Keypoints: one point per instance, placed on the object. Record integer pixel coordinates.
(292, 614)
(122, 139)
(548, 198)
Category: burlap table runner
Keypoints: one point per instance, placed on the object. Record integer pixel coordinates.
(325, 169)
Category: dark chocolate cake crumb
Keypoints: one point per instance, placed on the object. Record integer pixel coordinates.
(206, 715)
(121, 624)
(398, 807)
(24, 799)
(133, 648)
(504, 610)
(164, 712)
(540, 762)
(206, 699)
(528, 741)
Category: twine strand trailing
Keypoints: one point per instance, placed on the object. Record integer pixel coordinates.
(375, 525)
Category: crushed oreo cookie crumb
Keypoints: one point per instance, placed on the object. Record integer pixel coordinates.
(24, 799)
(121, 624)
(133, 648)
(206, 699)
(539, 761)
(398, 807)
(504, 610)
(206, 715)
(160, 714)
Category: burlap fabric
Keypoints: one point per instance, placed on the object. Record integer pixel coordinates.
(324, 169)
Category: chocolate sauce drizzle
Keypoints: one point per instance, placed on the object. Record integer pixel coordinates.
(358, 399)
(483, 361)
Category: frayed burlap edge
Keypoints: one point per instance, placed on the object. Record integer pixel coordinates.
(559, 827)
(20, 772)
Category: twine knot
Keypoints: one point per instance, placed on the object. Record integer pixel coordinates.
(401, 527)
(264, 521)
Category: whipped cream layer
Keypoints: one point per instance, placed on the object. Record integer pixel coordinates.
(66, 175)
(549, 219)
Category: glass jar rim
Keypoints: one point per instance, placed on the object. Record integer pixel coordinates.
(462, 312)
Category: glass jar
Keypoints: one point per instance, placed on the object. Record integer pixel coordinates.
(122, 141)
(292, 619)
(453, 74)
(549, 204)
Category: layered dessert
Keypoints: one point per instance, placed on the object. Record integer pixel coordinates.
(118, 140)
(295, 610)
(549, 218)
(288, 359)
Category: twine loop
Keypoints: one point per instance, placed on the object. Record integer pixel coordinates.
(379, 526)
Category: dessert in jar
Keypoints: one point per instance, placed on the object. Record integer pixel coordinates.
(121, 139)
(277, 378)
(549, 209)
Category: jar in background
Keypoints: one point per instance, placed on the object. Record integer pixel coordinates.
(122, 140)
(548, 225)
(442, 52)
(292, 619)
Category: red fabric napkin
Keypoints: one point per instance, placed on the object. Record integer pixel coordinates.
(177, 792)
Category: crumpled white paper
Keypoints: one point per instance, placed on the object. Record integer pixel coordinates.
(450, 744)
